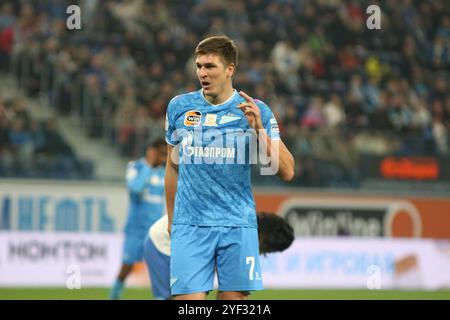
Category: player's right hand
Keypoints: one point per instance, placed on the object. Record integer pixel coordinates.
(251, 111)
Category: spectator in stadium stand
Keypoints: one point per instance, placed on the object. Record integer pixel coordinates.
(20, 141)
(328, 46)
(145, 183)
(210, 206)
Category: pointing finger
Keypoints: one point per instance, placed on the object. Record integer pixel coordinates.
(245, 96)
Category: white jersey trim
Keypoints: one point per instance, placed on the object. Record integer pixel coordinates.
(220, 104)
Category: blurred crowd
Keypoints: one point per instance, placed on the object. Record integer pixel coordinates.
(32, 148)
(339, 90)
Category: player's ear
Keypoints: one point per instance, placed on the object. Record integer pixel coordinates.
(230, 70)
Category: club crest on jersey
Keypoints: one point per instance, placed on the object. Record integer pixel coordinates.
(192, 118)
(210, 120)
(229, 118)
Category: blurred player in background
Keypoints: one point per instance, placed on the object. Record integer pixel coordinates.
(212, 218)
(274, 234)
(145, 183)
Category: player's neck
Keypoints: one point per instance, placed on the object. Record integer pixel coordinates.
(224, 96)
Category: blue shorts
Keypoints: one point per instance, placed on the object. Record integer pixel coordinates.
(133, 248)
(158, 265)
(196, 252)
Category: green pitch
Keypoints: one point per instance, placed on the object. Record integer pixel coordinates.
(144, 294)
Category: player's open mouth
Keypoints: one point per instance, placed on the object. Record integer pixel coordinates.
(206, 84)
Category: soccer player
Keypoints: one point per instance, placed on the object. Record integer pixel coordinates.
(145, 183)
(210, 205)
(274, 233)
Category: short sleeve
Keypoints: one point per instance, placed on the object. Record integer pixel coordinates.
(170, 127)
(269, 121)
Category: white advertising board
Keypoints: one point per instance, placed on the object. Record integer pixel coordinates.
(65, 259)
(59, 259)
(372, 263)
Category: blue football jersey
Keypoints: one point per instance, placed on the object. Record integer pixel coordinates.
(217, 148)
(146, 195)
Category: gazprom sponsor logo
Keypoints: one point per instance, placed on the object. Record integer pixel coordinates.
(211, 152)
(214, 151)
(223, 146)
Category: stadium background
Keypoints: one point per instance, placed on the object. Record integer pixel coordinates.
(365, 112)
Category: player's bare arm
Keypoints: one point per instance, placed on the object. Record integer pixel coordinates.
(275, 149)
(170, 182)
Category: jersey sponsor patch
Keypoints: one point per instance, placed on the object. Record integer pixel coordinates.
(192, 118)
(210, 120)
(274, 125)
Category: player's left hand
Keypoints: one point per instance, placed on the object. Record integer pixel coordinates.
(251, 111)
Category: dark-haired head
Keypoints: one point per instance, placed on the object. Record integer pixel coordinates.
(220, 45)
(275, 234)
(156, 152)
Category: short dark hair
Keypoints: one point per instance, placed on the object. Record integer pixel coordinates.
(275, 233)
(221, 45)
